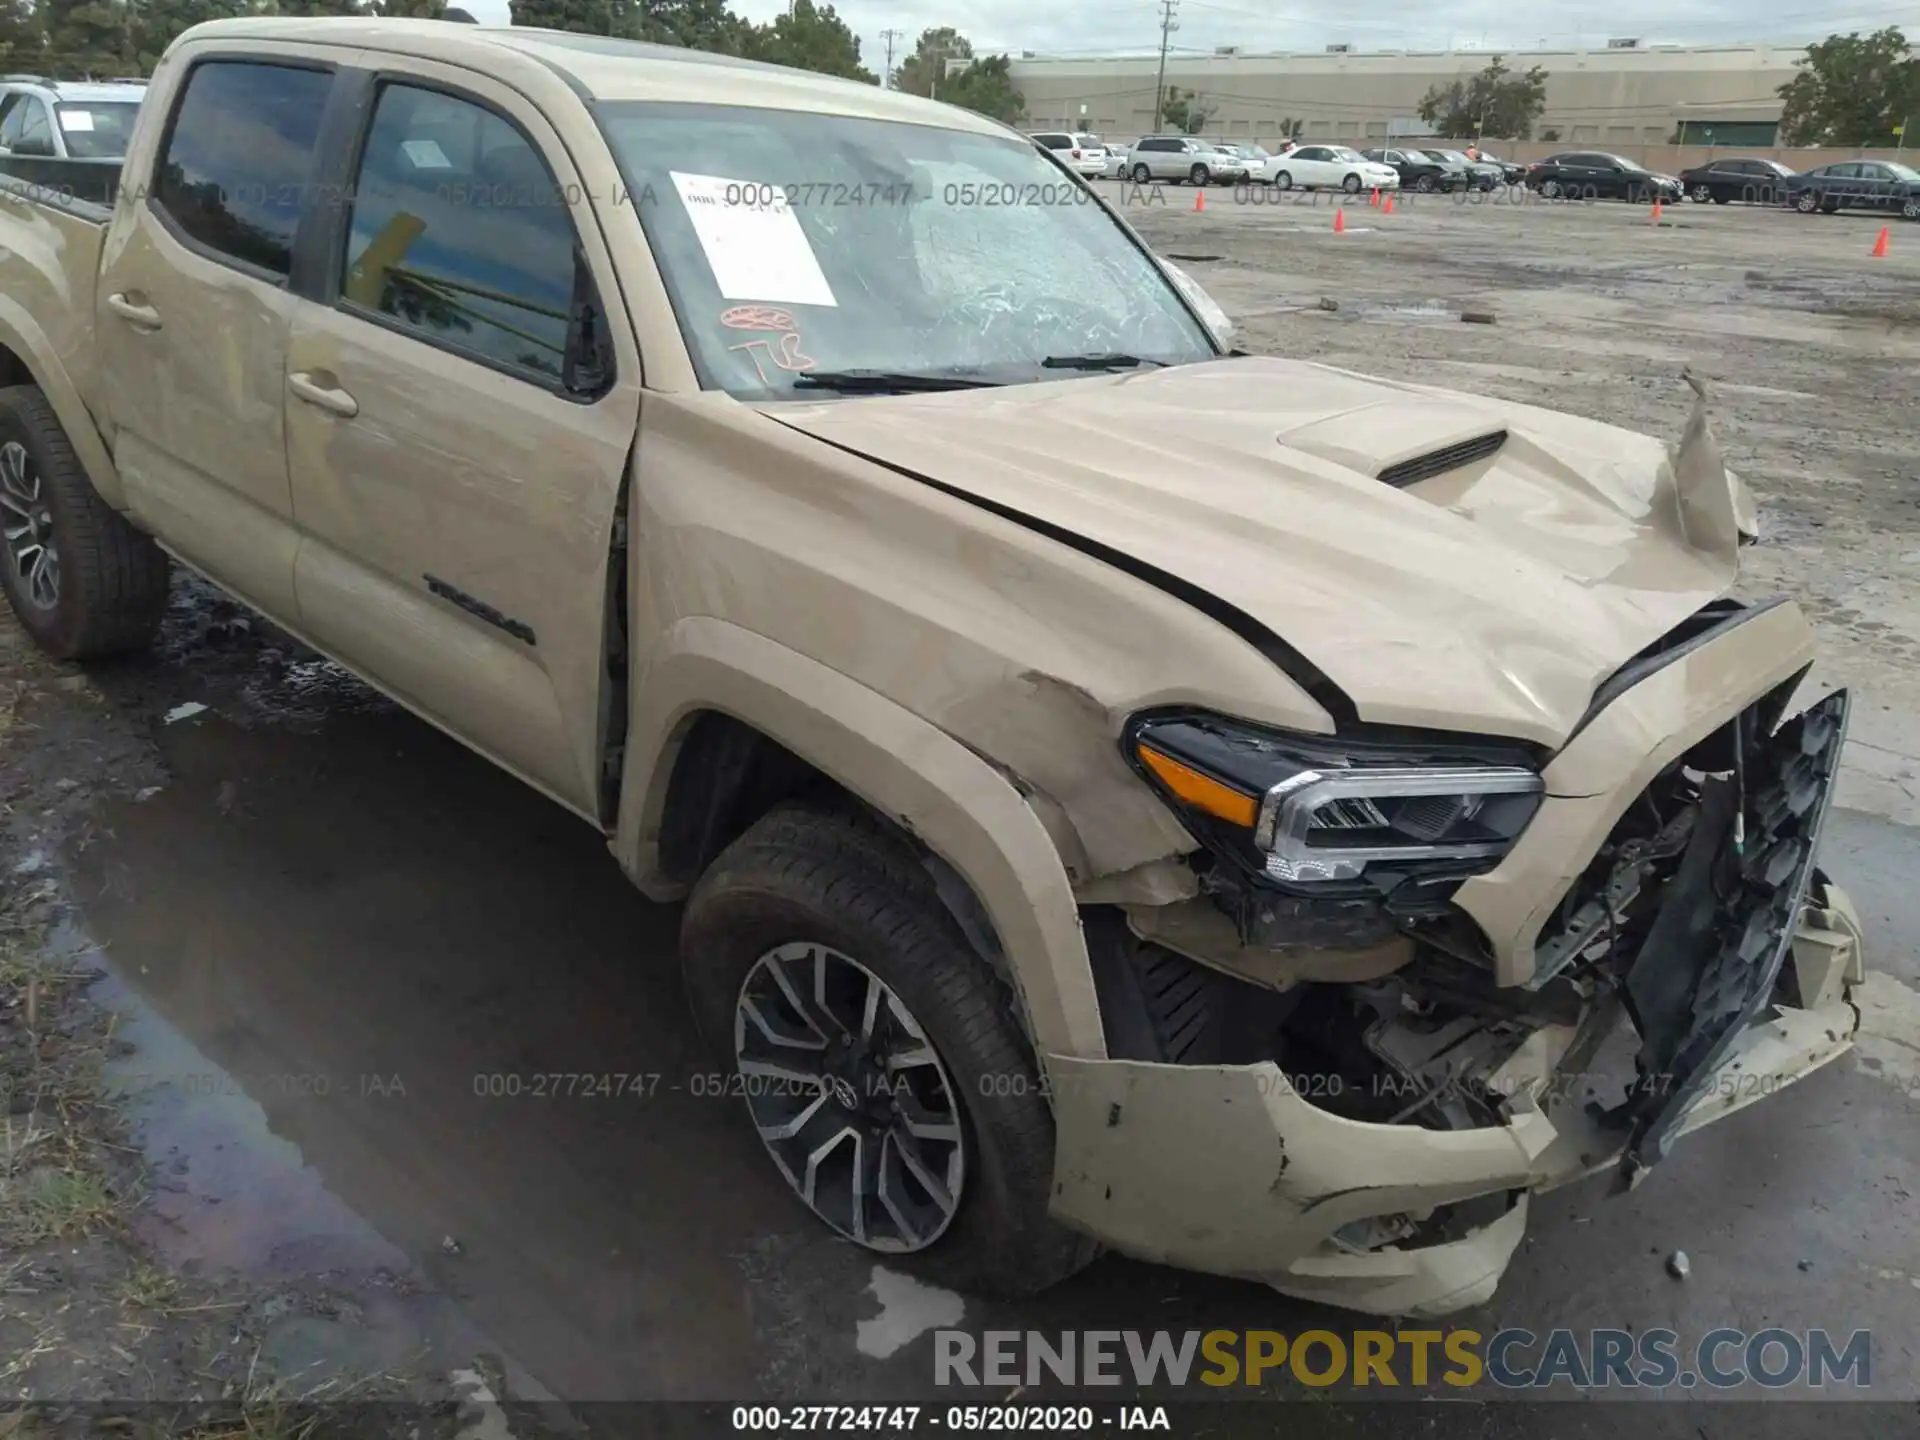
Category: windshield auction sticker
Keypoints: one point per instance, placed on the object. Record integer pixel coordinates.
(753, 241)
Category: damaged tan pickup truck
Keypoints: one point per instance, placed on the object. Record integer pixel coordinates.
(1124, 792)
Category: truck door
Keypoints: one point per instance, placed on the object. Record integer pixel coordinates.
(456, 468)
(194, 309)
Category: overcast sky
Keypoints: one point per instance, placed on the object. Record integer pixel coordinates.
(1133, 26)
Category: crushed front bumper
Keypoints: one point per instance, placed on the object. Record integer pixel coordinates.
(1235, 1170)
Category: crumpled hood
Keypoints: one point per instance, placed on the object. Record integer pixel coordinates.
(1492, 599)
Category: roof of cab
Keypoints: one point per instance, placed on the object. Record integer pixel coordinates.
(605, 68)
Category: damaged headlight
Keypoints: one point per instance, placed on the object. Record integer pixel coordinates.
(1315, 810)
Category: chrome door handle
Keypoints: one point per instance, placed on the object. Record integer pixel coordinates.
(142, 317)
(310, 388)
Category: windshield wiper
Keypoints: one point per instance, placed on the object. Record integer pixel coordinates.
(885, 382)
(1107, 360)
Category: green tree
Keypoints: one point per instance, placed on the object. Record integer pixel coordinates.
(1497, 102)
(588, 17)
(924, 71)
(1184, 111)
(987, 87)
(156, 23)
(1852, 91)
(694, 25)
(19, 35)
(87, 37)
(810, 37)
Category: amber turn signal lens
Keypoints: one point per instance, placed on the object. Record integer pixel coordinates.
(1200, 791)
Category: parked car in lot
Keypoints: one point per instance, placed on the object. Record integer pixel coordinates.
(1857, 185)
(1512, 172)
(1084, 153)
(1485, 174)
(1754, 182)
(65, 119)
(1333, 167)
(1116, 161)
(1260, 164)
(1235, 854)
(1421, 170)
(1595, 175)
(1184, 158)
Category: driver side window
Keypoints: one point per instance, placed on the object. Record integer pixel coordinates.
(35, 136)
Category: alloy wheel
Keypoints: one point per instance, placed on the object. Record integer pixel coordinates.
(1702, 194)
(849, 1097)
(26, 522)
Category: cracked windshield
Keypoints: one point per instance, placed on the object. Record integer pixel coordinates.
(800, 247)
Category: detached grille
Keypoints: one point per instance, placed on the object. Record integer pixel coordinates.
(1438, 462)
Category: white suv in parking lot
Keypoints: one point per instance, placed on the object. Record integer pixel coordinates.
(67, 120)
(1333, 167)
(1182, 157)
(1081, 151)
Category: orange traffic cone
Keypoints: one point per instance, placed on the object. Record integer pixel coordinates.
(1880, 245)
(1656, 212)
(1199, 201)
(1339, 221)
(1373, 199)
(1387, 209)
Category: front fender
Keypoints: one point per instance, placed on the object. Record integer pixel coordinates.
(961, 807)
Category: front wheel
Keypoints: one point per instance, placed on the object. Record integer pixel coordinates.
(1198, 175)
(1702, 194)
(1550, 189)
(82, 580)
(1424, 184)
(1351, 184)
(1806, 202)
(879, 1057)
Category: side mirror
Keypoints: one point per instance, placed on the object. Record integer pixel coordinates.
(1215, 318)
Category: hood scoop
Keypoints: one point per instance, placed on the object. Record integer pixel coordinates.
(1400, 441)
(1439, 462)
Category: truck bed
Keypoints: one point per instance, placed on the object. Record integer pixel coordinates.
(50, 244)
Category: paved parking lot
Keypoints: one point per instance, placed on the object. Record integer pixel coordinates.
(325, 886)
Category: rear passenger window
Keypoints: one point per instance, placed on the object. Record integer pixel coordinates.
(460, 234)
(237, 162)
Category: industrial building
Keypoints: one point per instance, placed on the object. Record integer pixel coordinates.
(1626, 94)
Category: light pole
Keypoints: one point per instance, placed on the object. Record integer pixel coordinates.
(1167, 27)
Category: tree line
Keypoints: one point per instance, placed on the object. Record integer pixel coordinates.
(101, 39)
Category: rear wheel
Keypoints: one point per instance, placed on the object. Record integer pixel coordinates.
(1910, 208)
(1702, 194)
(881, 1059)
(1283, 180)
(1141, 175)
(82, 580)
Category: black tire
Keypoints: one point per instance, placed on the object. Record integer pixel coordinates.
(1424, 184)
(1807, 201)
(1723, 199)
(1199, 175)
(1910, 208)
(1142, 175)
(1351, 184)
(111, 586)
(1283, 180)
(1550, 189)
(806, 874)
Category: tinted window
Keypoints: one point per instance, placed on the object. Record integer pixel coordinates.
(96, 130)
(12, 112)
(236, 165)
(467, 241)
(36, 131)
(1840, 172)
(1055, 142)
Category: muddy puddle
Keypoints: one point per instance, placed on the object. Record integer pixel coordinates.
(399, 1020)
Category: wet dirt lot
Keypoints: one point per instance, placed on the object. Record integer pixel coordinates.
(378, 993)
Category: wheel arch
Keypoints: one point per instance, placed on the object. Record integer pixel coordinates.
(28, 357)
(725, 723)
